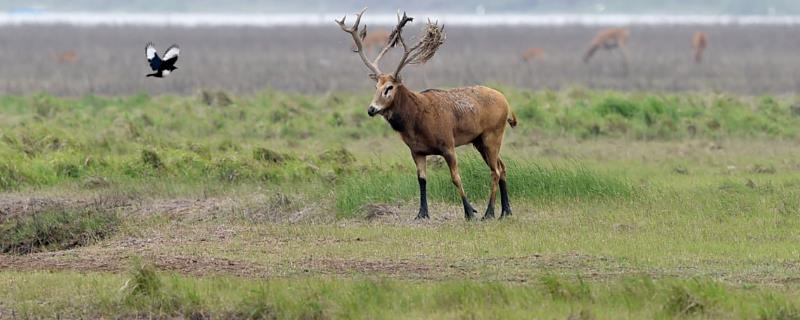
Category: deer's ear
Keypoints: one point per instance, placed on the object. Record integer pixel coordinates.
(373, 76)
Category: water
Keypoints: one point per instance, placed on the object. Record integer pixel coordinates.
(271, 20)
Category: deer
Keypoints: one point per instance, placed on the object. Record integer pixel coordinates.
(434, 122)
(67, 57)
(532, 54)
(609, 39)
(374, 39)
(699, 43)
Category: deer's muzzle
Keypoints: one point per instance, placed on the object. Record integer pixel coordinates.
(372, 111)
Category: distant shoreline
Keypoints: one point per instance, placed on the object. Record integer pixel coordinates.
(278, 20)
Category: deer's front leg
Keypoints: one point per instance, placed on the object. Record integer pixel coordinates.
(419, 160)
(450, 157)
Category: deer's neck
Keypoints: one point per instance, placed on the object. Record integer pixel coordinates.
(405, 110)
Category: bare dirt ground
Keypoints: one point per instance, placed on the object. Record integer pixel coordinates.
(110, 60)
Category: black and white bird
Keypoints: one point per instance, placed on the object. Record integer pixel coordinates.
(165, 66)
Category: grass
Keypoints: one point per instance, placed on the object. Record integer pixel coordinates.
(56, 229)
(105, 295)
(359, 297)
(625, 206)
(48, 141)
(527, 181)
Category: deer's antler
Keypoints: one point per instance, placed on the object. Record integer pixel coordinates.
(424, 50)
(420, 53)
(354, 32)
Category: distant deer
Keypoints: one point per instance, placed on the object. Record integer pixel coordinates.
(373, 39)
(699, 43)
(67, 57)
(435, 122)
(532, 54)
(376, 39)
(609, 39)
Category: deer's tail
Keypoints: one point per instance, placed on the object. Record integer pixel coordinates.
(512, 119)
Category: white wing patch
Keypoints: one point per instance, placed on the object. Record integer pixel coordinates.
(150, 51)
(172, 52)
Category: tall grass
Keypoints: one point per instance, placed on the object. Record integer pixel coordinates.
(526, 180)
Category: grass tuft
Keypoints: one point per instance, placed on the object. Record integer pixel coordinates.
(150, 295)
(560, 289)
(264, 154)
(144, 281)
(681, 301)
(56, 229)
(151, 159)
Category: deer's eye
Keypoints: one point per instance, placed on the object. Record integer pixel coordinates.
(386, 91)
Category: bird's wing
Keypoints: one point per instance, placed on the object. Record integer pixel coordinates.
(152, 56)
(171, 55)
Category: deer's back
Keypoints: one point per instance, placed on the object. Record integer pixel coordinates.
(469, 111)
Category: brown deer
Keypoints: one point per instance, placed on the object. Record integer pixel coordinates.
(373, 39)
(699, 43)
(532, 54)
(67, 57)
(609, 39)
(435, 122)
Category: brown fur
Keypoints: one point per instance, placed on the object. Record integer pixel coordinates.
(67, 57)
(439, 119)
(375, 39)
(609, 39)
(699, 43)
(435, 122)
(533, 54)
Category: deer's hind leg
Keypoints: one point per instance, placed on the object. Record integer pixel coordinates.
(489, 147)
(505, 204)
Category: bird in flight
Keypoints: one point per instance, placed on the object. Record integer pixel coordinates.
(165, 66)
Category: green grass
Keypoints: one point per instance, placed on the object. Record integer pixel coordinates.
(169, 295)
(625, 206)
(56, 229)
(587, 114)
(47, 141)
(527, 181)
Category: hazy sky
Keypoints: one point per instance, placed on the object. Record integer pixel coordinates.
(760, 7)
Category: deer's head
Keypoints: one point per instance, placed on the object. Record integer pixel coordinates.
(385, 89)
(387, 85)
